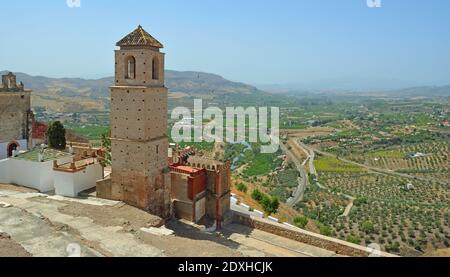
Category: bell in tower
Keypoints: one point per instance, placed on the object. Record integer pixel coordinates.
(139, 60)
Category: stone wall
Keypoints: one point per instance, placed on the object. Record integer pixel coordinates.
(338, 246)
(179, 186)
(145, 192)
(103, 188)
(211, 202)
(139, 113)
(184, 210)
(139, 143)
(14, 116)
(143, 72)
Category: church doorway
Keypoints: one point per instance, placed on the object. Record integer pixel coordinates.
(11, 147)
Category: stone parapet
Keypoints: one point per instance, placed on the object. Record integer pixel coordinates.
(338, 246)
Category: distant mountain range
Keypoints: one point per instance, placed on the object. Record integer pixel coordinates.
(58, 94)
(361, 86)
(418, 91)
(189, 82)
(76, 94)
(424, 91)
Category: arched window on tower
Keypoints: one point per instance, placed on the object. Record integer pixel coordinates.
(155, 69)
(130, 68)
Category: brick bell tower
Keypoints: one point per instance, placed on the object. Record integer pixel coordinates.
(140, 175)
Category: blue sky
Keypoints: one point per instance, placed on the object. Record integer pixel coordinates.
(258, 42)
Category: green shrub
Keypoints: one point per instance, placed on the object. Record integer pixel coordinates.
(274, 204)
(269, 205)
(266, 204)
(353, 239)
(360, 200)
(241, 187)
(300, 221)
(257, 195)
(325, 230)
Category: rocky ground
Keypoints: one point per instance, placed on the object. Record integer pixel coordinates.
(9, 248)
(34, 224)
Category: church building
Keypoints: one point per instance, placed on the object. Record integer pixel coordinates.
(139, 143)
(15, 116)
(144, 173)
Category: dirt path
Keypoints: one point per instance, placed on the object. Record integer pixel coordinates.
(348, 209)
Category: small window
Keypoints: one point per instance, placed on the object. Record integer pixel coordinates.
(130, 68)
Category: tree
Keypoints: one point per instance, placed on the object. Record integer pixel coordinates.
(106, 146)
(367, 227)
(57, 136)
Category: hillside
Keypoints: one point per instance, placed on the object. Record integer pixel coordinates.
(351, 89)
(58, 94)
(192, 83)
(424, 91)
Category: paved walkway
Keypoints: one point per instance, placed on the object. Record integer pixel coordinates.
(57, 226)
(278, 246)
(44, 231)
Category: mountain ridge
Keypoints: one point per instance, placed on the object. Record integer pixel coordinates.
(58, 94)
(189, 82)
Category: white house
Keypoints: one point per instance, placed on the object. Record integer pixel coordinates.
(57, 171)
(73, 178)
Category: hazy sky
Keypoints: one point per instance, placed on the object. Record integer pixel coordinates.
(251, 41)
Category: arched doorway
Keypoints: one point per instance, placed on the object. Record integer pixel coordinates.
(12, 146)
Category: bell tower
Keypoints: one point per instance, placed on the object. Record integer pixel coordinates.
(140, 175)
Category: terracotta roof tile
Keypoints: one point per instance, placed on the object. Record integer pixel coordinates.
(139, 37)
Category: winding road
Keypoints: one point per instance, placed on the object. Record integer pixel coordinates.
(312, 155)
(302, 180)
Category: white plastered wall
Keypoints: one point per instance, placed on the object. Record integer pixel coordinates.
(29, 174)
(4, 148)
(71, 184)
